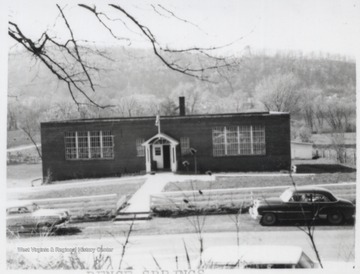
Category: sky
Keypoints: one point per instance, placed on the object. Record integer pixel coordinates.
(299, 25)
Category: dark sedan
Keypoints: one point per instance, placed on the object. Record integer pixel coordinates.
(304, 204)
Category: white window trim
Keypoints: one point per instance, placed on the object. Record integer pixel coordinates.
(185, 150)
(251, 141)
(224, 132)
(225, 141)
(139, 142)
(101, 145)
(101, 136)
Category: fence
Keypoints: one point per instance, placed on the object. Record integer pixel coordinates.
(227, 198)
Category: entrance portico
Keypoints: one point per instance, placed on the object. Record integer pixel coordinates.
(160, 150)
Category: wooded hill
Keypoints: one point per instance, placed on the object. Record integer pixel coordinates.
(138, 84)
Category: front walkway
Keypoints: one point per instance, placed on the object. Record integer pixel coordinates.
(140, 201)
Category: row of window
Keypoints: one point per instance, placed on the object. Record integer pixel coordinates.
(239, 140)
(227, 141)
(89, 145)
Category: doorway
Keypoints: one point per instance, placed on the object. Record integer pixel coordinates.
(161, 153)
(166, 158)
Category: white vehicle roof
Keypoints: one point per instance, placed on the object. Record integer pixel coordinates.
(18, 203)
(252, 254)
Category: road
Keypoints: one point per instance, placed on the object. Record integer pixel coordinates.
(333, 245)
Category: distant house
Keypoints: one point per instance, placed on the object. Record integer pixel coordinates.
(301, 150)
(83, 148)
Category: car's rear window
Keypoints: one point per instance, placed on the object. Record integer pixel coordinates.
(287, 194)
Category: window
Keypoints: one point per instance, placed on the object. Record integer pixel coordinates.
(185, 145)
(157, 151)
(70, 145)
(140, 150)
(108, 145)
(239, 140)
(95, 146)
(81, 145)
(219, 141)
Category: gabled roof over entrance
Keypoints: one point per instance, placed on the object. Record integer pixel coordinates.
(160, 136)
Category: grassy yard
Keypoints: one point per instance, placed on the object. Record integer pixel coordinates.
(222, 182)
(123, 187)
(22, 175)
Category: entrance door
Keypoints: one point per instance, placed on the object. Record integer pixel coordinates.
(158, 156)
(166, 152)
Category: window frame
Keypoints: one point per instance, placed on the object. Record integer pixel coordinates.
(140, 149)
(185, 145)
(89, 145)
(239, 140)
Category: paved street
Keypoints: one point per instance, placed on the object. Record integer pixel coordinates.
(333, 245)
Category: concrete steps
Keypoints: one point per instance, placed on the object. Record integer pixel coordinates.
(132, 216)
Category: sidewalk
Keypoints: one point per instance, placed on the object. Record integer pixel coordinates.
(140, 201)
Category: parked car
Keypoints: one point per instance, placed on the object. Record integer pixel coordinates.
(27, 216)
(262, 257)
(303, 203)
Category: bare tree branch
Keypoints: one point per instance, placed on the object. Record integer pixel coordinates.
(70, 73)
(98, 16)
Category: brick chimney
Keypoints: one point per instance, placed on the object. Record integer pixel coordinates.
(182, 105)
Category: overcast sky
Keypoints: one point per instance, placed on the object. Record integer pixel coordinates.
(301, 25)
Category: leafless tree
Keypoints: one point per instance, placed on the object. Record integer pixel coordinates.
(129, 106)
(29, 123)
(12, 119)
(338, 143)
(124, 244)
(280, 92)
(168, 107)
(319, 114)
(236, 219)
(309, 227)
(311, 102)
(193, 92)
(338, 114)
(67, 60)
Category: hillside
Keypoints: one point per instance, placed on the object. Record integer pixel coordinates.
(137, 83)
(139, 72)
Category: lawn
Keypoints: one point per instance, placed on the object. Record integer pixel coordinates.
(222, 182)
(120, 188)
(21, 175)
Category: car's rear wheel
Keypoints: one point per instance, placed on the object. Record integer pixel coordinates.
(335, 218)
(268, 219)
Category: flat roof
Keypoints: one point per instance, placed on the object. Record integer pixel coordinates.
(175, 117)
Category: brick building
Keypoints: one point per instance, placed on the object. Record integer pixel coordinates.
(258, 141)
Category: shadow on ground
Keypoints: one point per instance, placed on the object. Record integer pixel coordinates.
(67, 231)
(62, 231)
(323, 168)
(314, 223)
